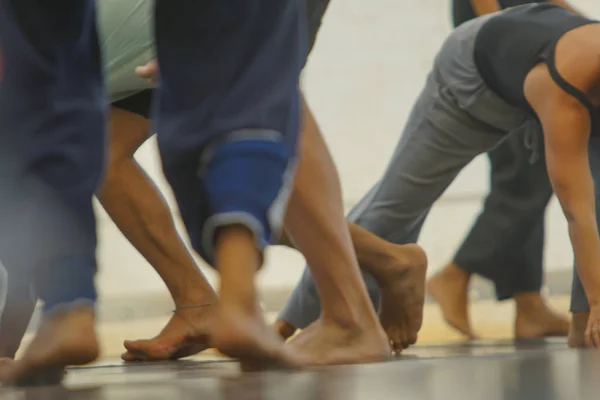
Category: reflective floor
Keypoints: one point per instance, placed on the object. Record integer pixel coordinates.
(529, 370)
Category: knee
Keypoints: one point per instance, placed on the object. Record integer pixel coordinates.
(248, 182)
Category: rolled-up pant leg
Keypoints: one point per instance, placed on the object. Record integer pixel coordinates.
(514, 208)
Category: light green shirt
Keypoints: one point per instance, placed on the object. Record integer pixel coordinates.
(125, 30)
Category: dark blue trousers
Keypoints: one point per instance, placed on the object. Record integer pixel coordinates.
(52, 141)
(228, 111)
(228, 121)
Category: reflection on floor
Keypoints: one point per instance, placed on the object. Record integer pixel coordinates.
(533, 370)
(440, 367)
(492, 320)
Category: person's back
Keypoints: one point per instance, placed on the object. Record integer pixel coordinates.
(526, 34)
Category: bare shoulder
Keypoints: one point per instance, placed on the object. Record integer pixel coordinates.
(577, 61)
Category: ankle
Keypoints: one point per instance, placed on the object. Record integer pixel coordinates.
(579, 321)
(577, 330)
(204, 299)
(350, 319)
(238, 300)
(372, 254)
(190, 288)
(529, 302)
(378, 259)
(455, 274)
(194, 310)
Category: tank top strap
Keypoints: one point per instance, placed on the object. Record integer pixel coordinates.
(564, 85)
(576, 93)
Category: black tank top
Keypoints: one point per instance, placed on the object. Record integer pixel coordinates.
(463, 11)
(510, 44)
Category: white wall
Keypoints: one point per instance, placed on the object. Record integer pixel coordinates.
(367, 68)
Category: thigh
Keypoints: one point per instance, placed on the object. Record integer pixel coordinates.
(129, 126)
(52, 92)
(518, 167)
(52, 103)
(49, 26)
(437, 142)
(236, 65)
(504, 161)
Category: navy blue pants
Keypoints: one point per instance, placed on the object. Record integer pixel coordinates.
(227, 119)
(228, 115)
(52, 140)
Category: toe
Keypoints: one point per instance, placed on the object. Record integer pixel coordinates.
(135, 351)
(412, 337)
(129, 357)
(397, 339)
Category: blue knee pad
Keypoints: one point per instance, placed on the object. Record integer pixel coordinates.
(248, 182)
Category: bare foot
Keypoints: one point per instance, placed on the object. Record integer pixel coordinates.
(577, 330)
(327, 343)
(244, 335)
(285, 329)
(186, 333)
(65, 339)
(402, 288)
(239, 329)
(450, 288)
(535, 319)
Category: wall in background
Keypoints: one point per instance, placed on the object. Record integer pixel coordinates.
(369, 64)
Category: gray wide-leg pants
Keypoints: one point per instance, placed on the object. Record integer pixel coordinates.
(455, 118)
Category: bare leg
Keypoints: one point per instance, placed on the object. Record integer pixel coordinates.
(536, 319)
(450, 289)
(348, 330)
(240, 330)
(138, 209)
(505, 244)
(400, 271)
